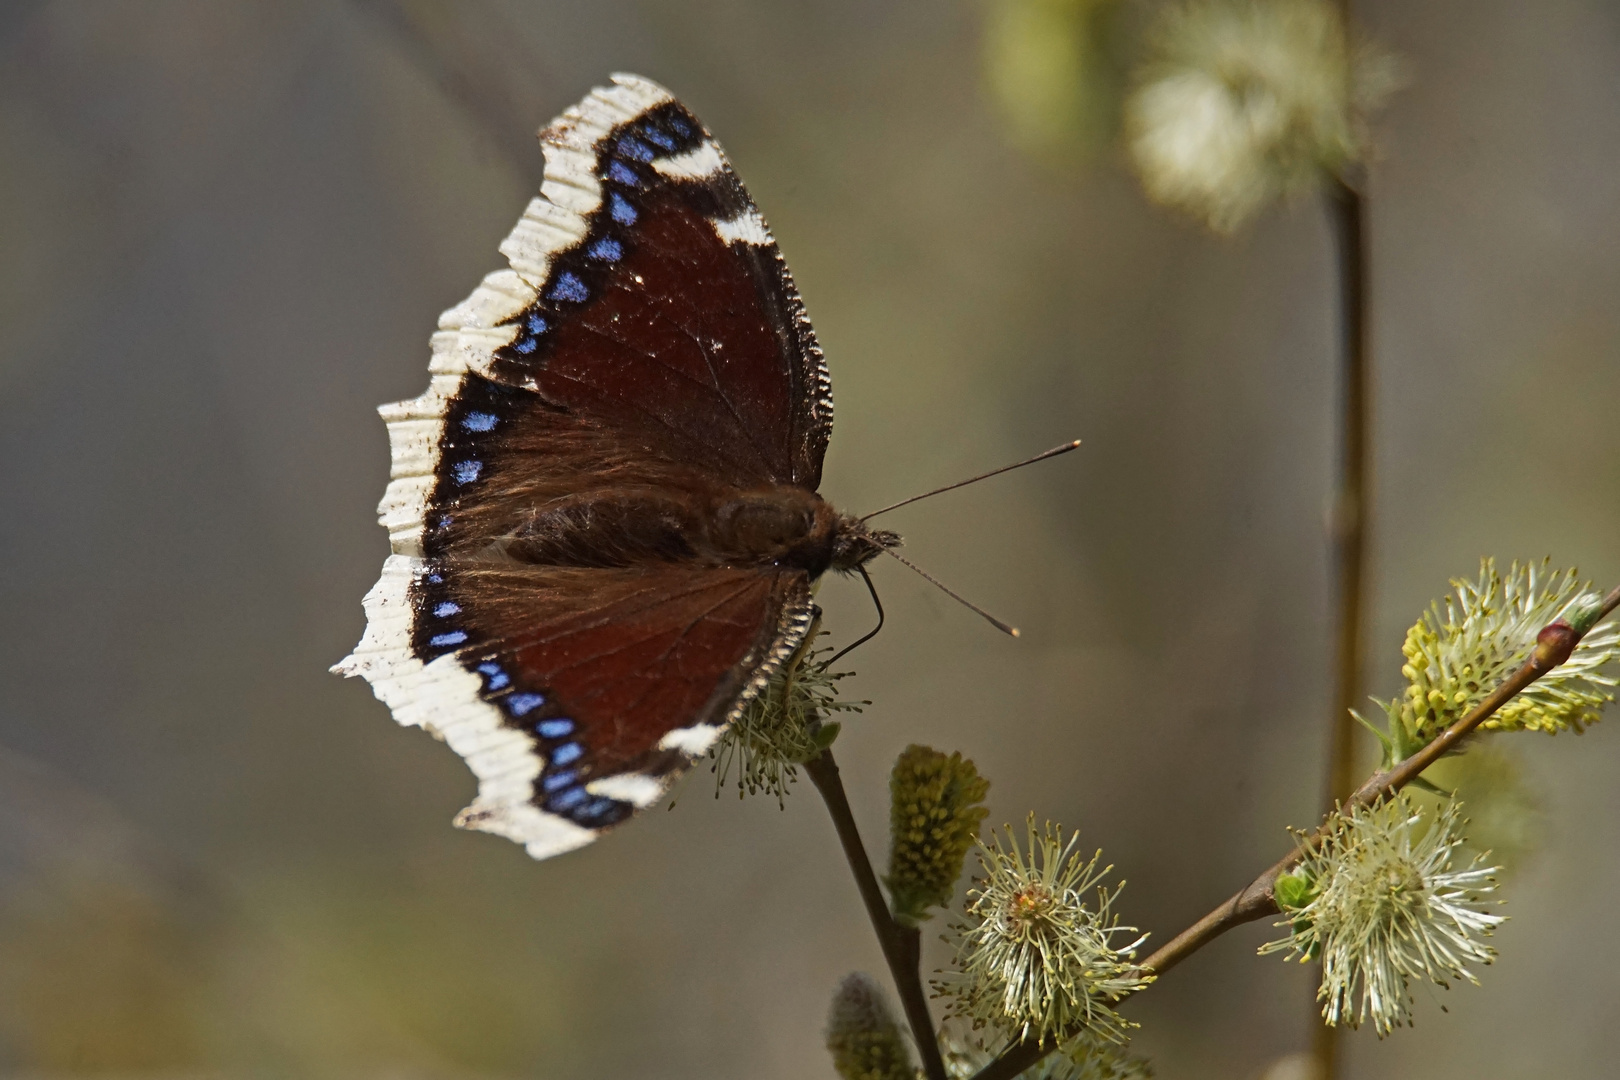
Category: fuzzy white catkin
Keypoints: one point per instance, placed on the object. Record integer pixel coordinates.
(1241, 101)
(1394, 901)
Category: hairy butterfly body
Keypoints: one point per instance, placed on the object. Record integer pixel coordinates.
(603, 511)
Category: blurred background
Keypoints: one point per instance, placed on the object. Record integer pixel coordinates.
(226, 231)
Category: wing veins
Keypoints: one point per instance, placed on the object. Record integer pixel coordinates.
(515, 641)
(680, 636)
(714, 377)
(660, 421)
(643, 353)
(667, 302)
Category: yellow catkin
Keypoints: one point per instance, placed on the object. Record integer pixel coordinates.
(935, 808)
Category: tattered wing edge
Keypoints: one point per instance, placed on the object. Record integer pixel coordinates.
(470, 332)
(443, 698)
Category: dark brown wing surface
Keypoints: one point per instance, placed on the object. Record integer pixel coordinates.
(673, 317)
(646, 349)
(576, 696)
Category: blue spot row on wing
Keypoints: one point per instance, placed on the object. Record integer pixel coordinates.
(446, 640)
(466, 472)
(568, 286)
(661, 133)
(568, 799)
(479, 421)
(633, 148)
(446, 608)
(562, 789)
(657, 137)
(577, 803)
(620, 209)
(494, 677)
(524, 703)
(533, 326)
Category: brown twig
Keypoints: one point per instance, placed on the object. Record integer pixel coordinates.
(1255, 900)
(901, 944)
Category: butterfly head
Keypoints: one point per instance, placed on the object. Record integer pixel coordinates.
(855, 543)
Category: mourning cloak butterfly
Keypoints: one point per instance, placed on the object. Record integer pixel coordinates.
(603, 510)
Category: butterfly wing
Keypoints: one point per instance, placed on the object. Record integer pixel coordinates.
(576, 696)
(646, 292)
(646, 342)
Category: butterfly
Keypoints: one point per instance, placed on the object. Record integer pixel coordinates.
(603, 511)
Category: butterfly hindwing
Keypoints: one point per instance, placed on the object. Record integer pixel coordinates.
(575, 702)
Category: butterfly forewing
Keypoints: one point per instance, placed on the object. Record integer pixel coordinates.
(673, 316)
(645, 355)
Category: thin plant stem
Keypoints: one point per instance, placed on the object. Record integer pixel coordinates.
(1349, 517)
(1350, 513)
(1256, 900)
(1346, 208)
(902, 945)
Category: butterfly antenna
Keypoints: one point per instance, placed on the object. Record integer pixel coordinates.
(1054, 452)
(1005, 628)
(875, 603)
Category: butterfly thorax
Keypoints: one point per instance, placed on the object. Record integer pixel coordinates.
(789, 526)
(780, 525)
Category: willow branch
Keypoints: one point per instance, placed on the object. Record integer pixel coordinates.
(1256, 900)
(902, 945)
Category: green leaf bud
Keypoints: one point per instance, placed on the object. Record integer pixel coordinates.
(1292, 891)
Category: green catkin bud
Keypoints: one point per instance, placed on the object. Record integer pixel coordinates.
(862, 1036)
(935, 807)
